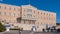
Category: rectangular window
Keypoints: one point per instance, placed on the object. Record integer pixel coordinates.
(10, 8)
(34, 11)
(29, 10)
(38, 12)
(41, 22)
(44, 13)
(14, 14)
(47, 13)
(29, 15)
(5, 7)
(14, 9)
(4, 13)
(41, 12)
(0, 7)
(0, 13)
(34, 16)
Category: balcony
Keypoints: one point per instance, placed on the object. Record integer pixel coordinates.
(25, 18)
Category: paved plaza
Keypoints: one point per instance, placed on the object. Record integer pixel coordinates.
(28, 32)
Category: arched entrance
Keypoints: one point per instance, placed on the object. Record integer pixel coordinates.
(33, 28)
(7, 26)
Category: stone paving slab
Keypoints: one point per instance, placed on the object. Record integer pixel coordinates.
(28, 32)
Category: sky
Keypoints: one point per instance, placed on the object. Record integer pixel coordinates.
(47, 5)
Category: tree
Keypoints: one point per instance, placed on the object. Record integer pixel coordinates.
(2, 27)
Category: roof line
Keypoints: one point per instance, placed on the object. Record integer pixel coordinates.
(32, 6)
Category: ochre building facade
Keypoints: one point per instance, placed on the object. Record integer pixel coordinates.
(26, 17)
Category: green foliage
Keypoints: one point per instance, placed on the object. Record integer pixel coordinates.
(14, 28)
(2, 27)
(57, 23)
